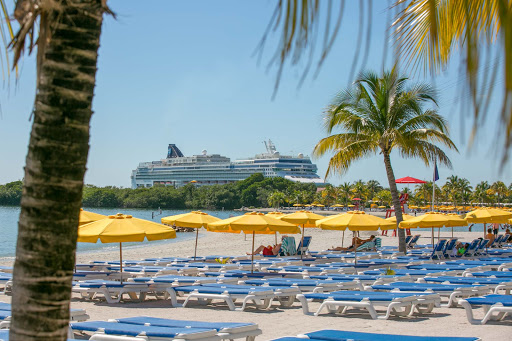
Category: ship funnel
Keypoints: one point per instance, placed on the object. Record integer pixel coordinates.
(173, 151)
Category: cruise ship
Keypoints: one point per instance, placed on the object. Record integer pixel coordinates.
(212, 169)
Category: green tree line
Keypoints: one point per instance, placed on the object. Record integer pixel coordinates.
(257, 191)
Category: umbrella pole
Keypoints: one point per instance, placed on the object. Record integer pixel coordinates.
(121, 260)
(432, 237)
(355, 248)
(276, 237)
(452, 232)
(302, 242)
(195, 249)
(252, 253)
(438, 234)
(343, 238)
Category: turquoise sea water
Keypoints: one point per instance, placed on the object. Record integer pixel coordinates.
(9, 227)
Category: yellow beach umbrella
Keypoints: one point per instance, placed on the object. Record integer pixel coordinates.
(194, 219)
(428, 220)
(276, 215)
(304, 218)
(297, 205)
(455, 220)
(253, 222)
(87, 217)
(122, 228)
(354, 221)
(488, 215)
(393, 219)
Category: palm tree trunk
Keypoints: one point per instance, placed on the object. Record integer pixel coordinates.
(396, 201)
(54, 173)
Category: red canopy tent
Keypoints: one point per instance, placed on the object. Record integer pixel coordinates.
(409, 180)
(357, 199)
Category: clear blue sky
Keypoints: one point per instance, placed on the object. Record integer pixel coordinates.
(184, 72)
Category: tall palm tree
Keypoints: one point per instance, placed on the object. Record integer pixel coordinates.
(373, 187)
(329, 195)
(276, 198)
(465, 190)
(451, 189)
(480, 193)
(427, 34)
(500, 190)
(379, 115)
(69, 35)
(345, 190)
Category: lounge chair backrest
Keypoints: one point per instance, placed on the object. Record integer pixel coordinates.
(378, 242)
(304, 248)
(366, 246)
(472, 248)
(437, 252)
(288, 246)
(413, 241)
(407, 239)
(500, 240)
(449, 247)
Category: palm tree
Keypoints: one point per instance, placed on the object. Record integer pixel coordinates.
(500, 190)
(480, 193)
(451, 189)
(345, 190)
(465, 190)
(426, 34)
(379, 115)
(373, 187)
(276, 198)
(359, 189)
(55, 163)
(329, 195)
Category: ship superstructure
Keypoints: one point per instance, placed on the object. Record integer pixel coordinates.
(208, 169)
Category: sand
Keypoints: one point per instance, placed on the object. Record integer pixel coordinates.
(280, 322)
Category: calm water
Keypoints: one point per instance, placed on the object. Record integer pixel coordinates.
(9, 227)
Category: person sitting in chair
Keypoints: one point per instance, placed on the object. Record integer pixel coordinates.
(267, 250)
(489, 236)
(356, 242)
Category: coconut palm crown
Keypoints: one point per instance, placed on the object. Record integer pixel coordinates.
(379, 115)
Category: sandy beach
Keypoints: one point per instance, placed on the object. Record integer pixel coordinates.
(279, 322)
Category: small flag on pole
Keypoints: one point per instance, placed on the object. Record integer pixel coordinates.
(436, 172)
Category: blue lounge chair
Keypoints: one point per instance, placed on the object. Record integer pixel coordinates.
(449, 247)
(339, 301)
(262, 297)
(496, 283)
(406, 273)
(134, 330)
(456, 269)
(495, 307)
(112, 291)
(339, 335)
(225, 330)
(303, 249)
(413, 241)
(480, 250)
(307, 285)
(470, 251)
(491, 274)
(364, 279)
(453, 292)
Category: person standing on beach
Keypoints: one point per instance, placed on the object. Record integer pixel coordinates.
(495, 229)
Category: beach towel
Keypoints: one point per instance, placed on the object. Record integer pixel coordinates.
(288, 247)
